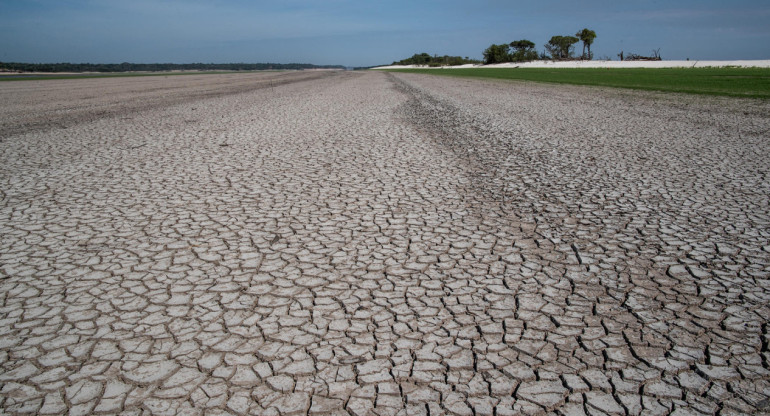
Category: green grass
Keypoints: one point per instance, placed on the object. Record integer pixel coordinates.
(734, 82)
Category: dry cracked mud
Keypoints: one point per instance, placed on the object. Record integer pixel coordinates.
(367, 243)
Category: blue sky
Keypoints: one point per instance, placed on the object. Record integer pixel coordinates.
(363, 33)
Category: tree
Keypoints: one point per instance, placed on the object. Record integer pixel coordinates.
(496, 54)
(587, 36)
(523, 44)
(435, 60)
(524, 50)
(560, 47)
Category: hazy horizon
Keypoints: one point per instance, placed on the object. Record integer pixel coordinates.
(344, 32)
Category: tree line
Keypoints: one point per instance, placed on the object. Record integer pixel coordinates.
(435, 60)
(558, 48)
(157, 67)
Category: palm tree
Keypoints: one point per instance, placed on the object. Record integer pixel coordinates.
(587, 36)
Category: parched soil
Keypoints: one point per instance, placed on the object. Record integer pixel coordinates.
(44, 105)
(372, 243)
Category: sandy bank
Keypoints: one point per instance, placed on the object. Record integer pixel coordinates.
(609, 64)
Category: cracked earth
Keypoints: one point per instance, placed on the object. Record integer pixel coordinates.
(338, 243)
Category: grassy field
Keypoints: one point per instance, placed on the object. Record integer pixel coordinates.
(735, 82)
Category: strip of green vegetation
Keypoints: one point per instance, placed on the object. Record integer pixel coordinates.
(734, 82)
(38, 77)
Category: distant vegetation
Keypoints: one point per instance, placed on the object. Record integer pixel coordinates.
(517, 51)
(587, 36)
(561, 47)
(634, 57)
(558, 48)
(128, 67)
(735, 82)
(435, 60)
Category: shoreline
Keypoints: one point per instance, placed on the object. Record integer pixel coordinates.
(603, 64)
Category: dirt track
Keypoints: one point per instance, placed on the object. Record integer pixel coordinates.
(369, 243)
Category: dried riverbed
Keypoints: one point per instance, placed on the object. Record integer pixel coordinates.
(372, 243)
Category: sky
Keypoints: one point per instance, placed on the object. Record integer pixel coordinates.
(368, 32)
